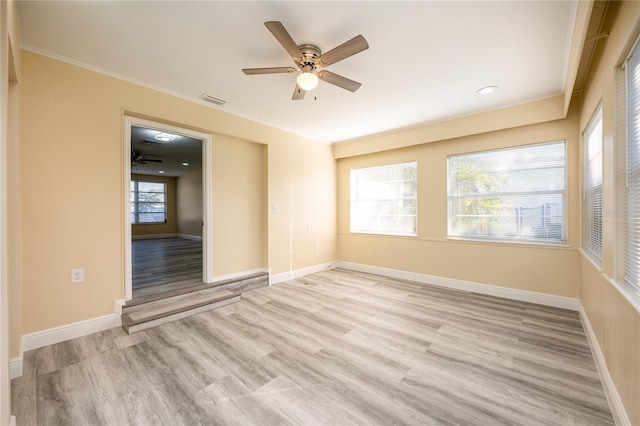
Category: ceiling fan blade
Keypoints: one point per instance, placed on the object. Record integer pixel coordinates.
(298, 93)
(339, 80)
(346, 49)
(280, 33)
(274, 70)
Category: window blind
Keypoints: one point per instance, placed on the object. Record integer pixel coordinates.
(629, 189)
(509, 194)
(384, 199)
(592, 181)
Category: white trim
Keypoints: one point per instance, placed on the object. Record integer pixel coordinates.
(15, 367)
(65, 332)
(117, 312)
(126, 190)
(218, 278)
(591, 260)
(62, 333)
(190, 237)
(613, 397)
(207, 209)
(207, 205)
(628, 293)
(153, 236)
(297, 273)
(470, 286)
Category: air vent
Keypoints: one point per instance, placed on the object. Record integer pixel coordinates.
(212, 99)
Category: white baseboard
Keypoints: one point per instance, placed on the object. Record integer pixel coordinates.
(153, 236)
(492, 290)
(613, 397)
(117, 312)
(59, 334)
(233, 276)
(297, 273)
(62, 333)
(190, 237)
(15, 367)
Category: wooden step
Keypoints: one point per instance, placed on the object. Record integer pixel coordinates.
(141, 316)
(245, 283)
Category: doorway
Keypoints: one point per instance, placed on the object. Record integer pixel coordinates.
(167, 215)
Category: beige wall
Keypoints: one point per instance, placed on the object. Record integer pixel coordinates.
(239, 206)
(189, 207)
(303, 232)
(171, 227)
(615, 322)
(72, 208)
(539, 268)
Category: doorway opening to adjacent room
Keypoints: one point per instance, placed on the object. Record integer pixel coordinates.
(167, 213)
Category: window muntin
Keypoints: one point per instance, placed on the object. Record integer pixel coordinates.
(384, 199)
(513, 194)
(592, 182)
(148, 202)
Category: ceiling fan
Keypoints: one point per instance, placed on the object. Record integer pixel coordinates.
(139, 159)
(309, 59)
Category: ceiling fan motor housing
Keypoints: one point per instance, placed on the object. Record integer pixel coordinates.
(309, 58)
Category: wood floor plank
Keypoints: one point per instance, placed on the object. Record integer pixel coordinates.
(338, 347)
(164, 265)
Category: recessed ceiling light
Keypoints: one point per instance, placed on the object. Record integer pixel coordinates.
(185, 163)
(165, 137)
(486, 90)
(161, 171)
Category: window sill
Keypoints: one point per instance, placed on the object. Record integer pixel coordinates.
(628, 292)
(381, 234)
(539, 244)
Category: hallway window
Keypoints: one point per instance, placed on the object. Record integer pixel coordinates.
(384, 199)
(148, 202)
(513, 194)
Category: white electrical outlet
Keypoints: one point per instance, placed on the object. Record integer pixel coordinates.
(77, 275)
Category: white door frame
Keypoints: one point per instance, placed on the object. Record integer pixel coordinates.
(207, 237)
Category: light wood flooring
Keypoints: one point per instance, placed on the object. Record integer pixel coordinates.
(165, 265)
(341, 348)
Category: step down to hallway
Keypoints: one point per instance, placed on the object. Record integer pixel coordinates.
(142, 316)
(138, 315)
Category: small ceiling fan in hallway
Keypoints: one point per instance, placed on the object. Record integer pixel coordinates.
(310, 60)
(138, 158)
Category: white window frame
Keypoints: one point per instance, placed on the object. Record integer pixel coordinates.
(392, 217)
(136, 201)
(628, 180)
(518, 226)
(592, 188)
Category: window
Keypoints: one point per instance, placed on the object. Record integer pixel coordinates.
(384, 200)
(628, 192)
(148, 202)
(509, 194)
(592, 170)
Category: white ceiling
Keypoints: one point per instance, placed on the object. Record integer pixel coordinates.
(181, 156)
(425, 62)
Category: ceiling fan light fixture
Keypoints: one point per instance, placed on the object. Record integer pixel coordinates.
(307, 81)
